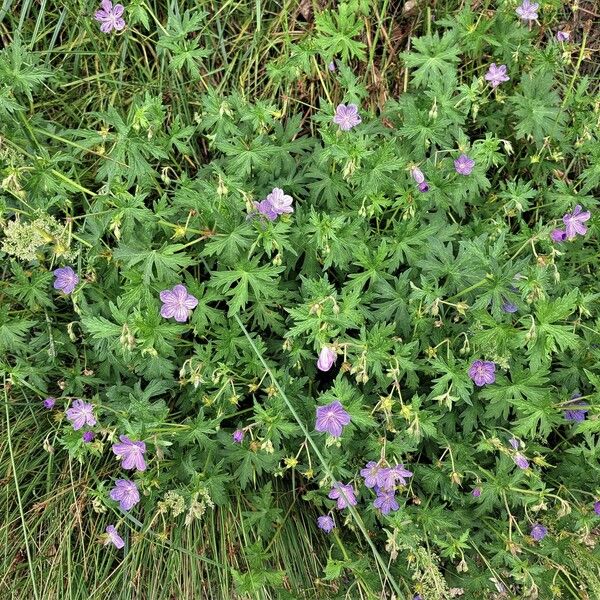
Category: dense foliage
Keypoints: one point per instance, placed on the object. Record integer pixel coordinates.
(400, 267)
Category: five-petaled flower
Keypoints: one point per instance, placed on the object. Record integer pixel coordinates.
(563, 36)
(276, 203)
(177, 303)
(238, 436)
(110, 17)
(464, 165)
(125, 493)
(528, 10)
(344, 494)
(538, 532)
(386, 501)
(597, 507)
(496, 75)
(326, 523)
(65, 279)
(112, 537)
(476, 492)
(88, 436)
(371, 474)
(326, 359)
(131, 452)
(81, 413)
(558, 235)
(574, 222)
(347, 117)
(482, 372)
(49, 402)
(332, 418)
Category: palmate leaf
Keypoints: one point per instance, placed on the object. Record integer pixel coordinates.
(537, 108)
(246, 278)
(432, 58)
(335, 33)
(162, 264)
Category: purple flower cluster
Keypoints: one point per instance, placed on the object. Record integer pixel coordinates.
(275, 204)
(383, 481)
(574, 225)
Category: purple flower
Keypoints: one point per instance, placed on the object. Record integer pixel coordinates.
(80, 414)
(66, 280)
(558, 235)
(327, 358)
(275, 204)
(597, 507)
(398, 474)
(110, 17)
(514, 442)
(265, 208)
(280, 201)
(88, 436)
(371, 474)
(347, 117)
(417, 175)
(331, 66)
(482, 372)
(521, 461)
(563, 36)
(575, 222)
(496, 75)
(476, 492)
(131, 452)
(528, 10)
(575, 410)
(49, 402)
(417, 597)
(538, 532)
(508, 306)
(419, 179)
(238, 436)
(344, 494)
(386, 501)
(464, 165)
(326, 523)
(177, 303)
(331, 418)
(113, 537)
(125, 493)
